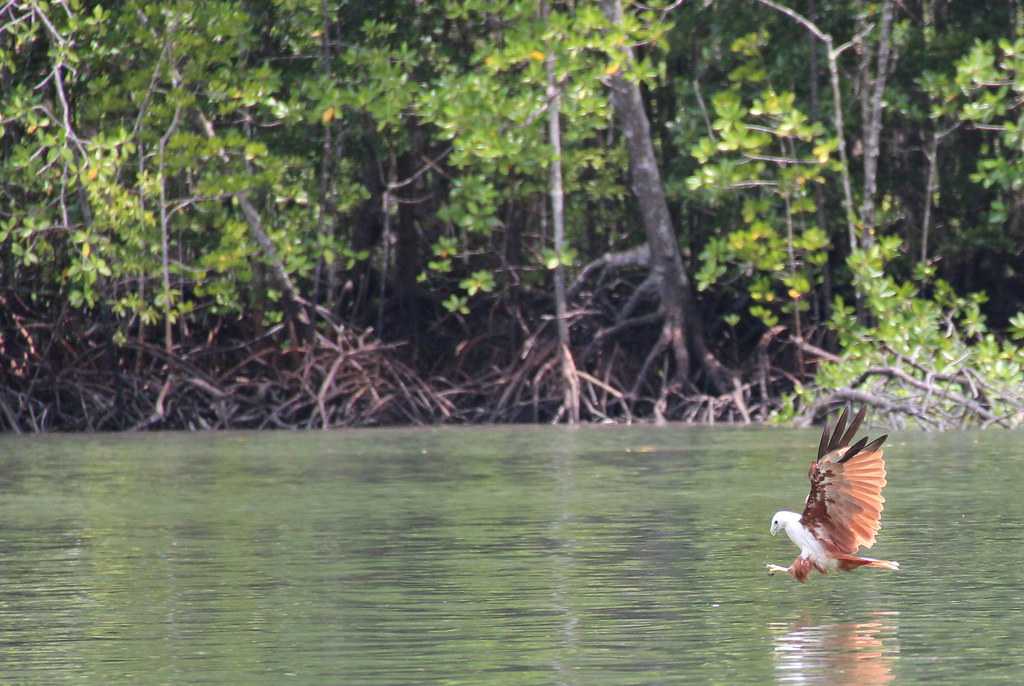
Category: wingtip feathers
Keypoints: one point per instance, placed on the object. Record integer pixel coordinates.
(854, 426)
(840, 437)
(839, 431)
(823, 445)
(853, 450)
(846, 494)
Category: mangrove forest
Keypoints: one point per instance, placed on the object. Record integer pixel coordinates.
(324, 213)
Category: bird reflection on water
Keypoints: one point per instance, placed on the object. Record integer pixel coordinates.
(841, 653)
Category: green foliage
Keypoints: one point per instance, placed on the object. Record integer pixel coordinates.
(986, 93)
(931, 337)
(479, 281)
(455, 303)
(472, 205)
(493, 114)
(399, 149)
(767, 148)
(552, 259)
(150, 76)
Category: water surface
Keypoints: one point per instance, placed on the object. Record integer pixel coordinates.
(495, 556)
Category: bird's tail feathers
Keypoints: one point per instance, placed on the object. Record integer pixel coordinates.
(891, 565)
(851, 562)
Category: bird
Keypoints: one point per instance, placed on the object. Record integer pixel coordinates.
(843, 511)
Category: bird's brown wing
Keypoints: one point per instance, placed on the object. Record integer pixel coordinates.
(844, 507)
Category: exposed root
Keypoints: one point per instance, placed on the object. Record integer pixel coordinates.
(349, 380)
(907, 390)
(621, 370)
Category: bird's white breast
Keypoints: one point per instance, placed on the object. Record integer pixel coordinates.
(810, 546)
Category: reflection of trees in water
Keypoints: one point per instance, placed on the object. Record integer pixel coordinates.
(843, 653)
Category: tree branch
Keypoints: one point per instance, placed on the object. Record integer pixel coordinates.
(837, 109)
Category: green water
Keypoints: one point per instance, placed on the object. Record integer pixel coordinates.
(495, 556)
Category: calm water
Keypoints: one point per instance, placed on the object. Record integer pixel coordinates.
(495, 556)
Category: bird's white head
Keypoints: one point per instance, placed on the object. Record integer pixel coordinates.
(781, 518)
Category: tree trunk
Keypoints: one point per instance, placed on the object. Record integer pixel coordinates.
(813, 75)
(408, 262)
(645, 178)
(931, 186)
(570, 381)
(328, 162)
(299, 322)
(837, 107)
(873, 125)
(165, 229)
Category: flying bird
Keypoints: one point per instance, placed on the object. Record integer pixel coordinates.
(844, 508)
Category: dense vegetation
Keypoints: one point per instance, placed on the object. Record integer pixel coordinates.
(323, 213)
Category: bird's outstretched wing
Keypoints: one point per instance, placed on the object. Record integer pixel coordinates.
(844, 507)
